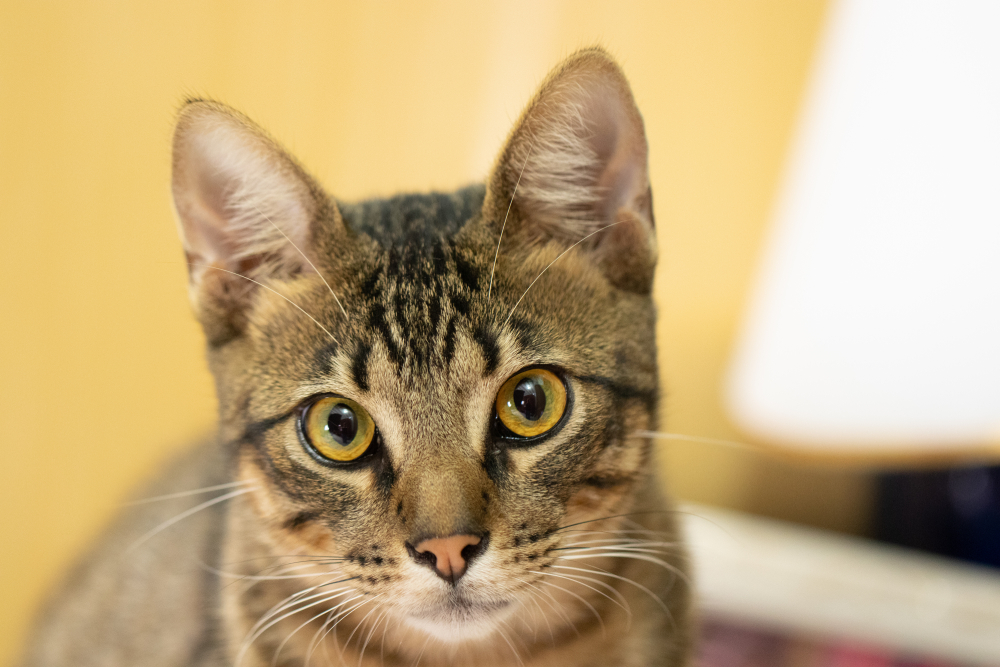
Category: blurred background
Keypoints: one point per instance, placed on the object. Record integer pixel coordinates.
(102, 374)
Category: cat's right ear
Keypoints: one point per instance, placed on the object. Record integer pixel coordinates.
(245, 208)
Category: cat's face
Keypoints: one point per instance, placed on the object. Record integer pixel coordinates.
(426, 407)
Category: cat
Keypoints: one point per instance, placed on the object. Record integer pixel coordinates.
(431, 412)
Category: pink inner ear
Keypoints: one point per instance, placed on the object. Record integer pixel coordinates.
(622, 146)
(584, 151)
(243, 204)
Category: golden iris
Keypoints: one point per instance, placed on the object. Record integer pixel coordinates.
(531, 402)
(338, 428)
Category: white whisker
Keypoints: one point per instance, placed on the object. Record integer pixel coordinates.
(517, 656)
(554, 605)
(511, 314)
(273, 291)
(347, 642)
(296, 606)
(657, 435)
(599, 571)
(305, 257)
(378, 621)
(619, 554)
(337, 614)
(183, 515)
(182, 494)
(604, 630)
(489, 292)
(277, 651)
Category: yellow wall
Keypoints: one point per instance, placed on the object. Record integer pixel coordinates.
(101, 368)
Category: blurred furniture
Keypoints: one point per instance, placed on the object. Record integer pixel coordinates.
(798, 582)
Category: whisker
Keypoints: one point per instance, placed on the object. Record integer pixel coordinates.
(628, 541)
(292, 243)
(293, 599)
(622, 531)
(517, 656)
(604, 630)
(629, 548)
(422, 649)
(658, 435)
(554, 605)
(378, 621)
(347, 642)
(183, 515)
(534, 625)
(649, 559)
(612, 516)
(182, 494)
(599, 571)
(489, 292)
(273, 291)
(282, 568)
(291, 567)
(330, 625)
(277, 651)
(264, 626)
(511, 314)
(579, 579)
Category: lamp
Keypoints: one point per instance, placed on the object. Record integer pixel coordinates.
(873, 328)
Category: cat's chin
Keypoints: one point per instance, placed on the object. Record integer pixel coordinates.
(457, 624)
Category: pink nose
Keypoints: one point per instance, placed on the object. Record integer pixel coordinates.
(447, 554)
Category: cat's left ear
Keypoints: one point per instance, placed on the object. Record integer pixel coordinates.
(576, 165)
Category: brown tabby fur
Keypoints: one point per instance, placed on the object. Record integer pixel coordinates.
(426, 335)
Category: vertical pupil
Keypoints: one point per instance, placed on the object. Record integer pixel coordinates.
(342, 424)
(529, 398)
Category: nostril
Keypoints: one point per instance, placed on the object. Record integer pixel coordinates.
(472, 550)
(423, 557)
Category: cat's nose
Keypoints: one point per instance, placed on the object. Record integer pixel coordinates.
(449, 556)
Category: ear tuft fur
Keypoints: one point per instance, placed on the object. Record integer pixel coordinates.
(576, 161)
(582, 148)
(239, 197)
(244, 207)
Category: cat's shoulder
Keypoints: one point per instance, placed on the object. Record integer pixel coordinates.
(140, 596)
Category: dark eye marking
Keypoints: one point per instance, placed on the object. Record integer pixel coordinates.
(299, 520)
(621, 389)
(255, 431)
(607, 481)
(359, 367)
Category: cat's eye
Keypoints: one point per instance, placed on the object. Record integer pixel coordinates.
(338, 428)
(531, 403)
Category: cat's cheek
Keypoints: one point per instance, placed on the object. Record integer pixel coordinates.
(289, 528)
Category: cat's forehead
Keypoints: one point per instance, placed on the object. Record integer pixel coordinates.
(414, 220)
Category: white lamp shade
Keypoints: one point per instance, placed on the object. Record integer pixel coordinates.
(874, 323)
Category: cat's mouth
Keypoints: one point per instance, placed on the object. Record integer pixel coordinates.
(459, 618)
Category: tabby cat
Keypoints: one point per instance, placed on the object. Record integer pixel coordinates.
(433, 417)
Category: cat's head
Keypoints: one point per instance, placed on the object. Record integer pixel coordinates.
(428, 390)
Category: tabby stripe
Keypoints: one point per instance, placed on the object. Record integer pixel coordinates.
(487, 341)
(359, 367)
(377, 321)
(466, 272)
(449, 341)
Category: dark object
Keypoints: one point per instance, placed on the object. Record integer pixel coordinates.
(953, 512)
